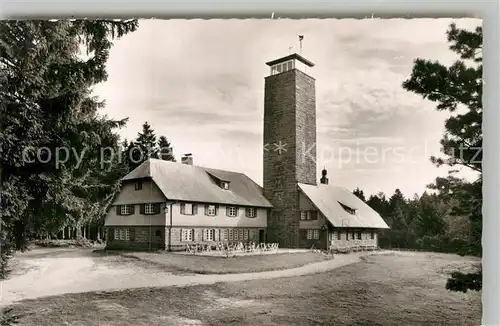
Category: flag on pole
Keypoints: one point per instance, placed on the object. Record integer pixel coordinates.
(301, 37)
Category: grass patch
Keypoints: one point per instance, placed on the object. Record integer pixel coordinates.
(382, 290)
(228, 265)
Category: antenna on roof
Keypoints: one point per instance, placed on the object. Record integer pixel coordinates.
(301, 37)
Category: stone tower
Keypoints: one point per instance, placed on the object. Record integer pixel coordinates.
(289, 144)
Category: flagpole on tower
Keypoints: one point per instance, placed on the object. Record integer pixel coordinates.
(301, 37)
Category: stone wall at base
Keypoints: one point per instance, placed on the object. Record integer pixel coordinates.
(347, 240)
(139, 237)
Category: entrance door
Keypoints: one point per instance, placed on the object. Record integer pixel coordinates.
(261, 236)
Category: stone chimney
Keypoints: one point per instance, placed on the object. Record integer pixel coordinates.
(324, 179)
(187, 159)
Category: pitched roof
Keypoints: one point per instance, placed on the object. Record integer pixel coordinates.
(185, 182)
(329, 200)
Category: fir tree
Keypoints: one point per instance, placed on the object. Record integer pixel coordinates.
(165, 149)
(146, 144)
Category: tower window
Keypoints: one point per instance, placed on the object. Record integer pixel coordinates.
(138, 185)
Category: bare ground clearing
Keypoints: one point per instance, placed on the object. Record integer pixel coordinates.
(390, 289)
(54, 271)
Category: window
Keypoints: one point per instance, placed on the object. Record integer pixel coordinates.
(149, 209)
(348, 209)
(126, 210)
(224, 185)
(230, 232)
(138, 185)
(209, 235)
(245, 234)
(290, 65)
(312, 234)
(158, 233)
(308, 215)
(122, 234)
(372, 235)
(232, 211)
(359, 235)
(285, 66)
(210, 210)
(250, 212)
(225, 236)
(278, 68)
(240, 234)
(337, 235)
(187, 209)
(187, 235)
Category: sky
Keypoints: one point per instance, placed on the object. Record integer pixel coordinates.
(200, 83)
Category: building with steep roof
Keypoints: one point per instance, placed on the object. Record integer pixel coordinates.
(166, 205)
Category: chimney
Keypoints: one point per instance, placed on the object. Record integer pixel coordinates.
(324, 179)
(187, 159)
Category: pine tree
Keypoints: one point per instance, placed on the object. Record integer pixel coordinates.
(146, 143)
(165, 149)
(454, 87)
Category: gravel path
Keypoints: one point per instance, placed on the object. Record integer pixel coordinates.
(47, 272)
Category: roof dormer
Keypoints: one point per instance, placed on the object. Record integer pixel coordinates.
(348, 209)
(224, 184)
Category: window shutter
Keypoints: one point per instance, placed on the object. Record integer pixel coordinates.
(195, 209)
(111, 234)
(237, 211)
(183, 208)
(118, 210)
(132, 209)
(216, 209)
(227, 210)
(247, 212)
(255, 210)
(303, 234)
(181, 236)
(157, 208)
(142, 209)
(132, 234)
(206, 209)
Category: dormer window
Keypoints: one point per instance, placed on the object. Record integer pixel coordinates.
(348, 209)
(224, 185)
